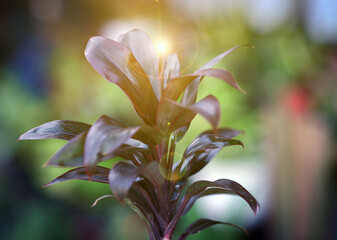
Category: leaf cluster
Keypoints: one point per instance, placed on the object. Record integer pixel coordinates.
(148, 178)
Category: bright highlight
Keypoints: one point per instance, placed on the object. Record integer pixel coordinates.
(162, 46)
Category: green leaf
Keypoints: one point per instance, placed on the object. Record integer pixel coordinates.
(104, 137)
(117, 64)
(202, 224)
(70, 154)
(100, 174)
(144, 51)
(59, 129)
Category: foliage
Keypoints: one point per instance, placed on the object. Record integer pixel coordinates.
(149, 179)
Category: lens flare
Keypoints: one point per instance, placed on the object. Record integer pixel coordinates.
(162, 46)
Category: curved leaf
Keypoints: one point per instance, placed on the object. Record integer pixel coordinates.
(207, 192)
(100, 174)
(152, 173)
(171, 68)
(224, 132)
(176, 86)
(196, 189)
(204, 148)
(191, 91)
(209, 141)
(104, 137)
(133, 150)
(70, 154)
(131, 146)
(149, 134)
(218, 58)
(209, 108)
(100, 198)
(173, 115)
(59, 129)
(220, 74)
(235, 188)
(202, 224)
(144, 51)
(140, 205)
(121, 179)
(117, 64)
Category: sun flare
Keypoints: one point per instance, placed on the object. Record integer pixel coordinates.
(162, 46)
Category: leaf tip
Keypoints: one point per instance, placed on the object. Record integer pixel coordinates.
(247, 45)
(21, 137)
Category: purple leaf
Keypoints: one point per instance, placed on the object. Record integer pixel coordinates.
(202, 224)
(171, 68)
(144, 51)
(204, 148)
(209, 108)
(226, 184)
(59, 129)
(152, 173)
(196, 189)
(121, 179)
(176, 86)
(117, 64)
(104, 137)
(149, 134)
(221, 74)
(208, 140)
(100, 198)
(133, 150)
(100, 174)
(207, 192)
(218, 58)
(172, 115)
(70, 154)
(224, 132)
(191, 92)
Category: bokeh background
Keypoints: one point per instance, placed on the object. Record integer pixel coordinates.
(288, 114)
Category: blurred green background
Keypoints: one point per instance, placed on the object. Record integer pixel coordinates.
(288, 114)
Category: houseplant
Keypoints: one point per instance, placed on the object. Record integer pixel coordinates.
(149, 179)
